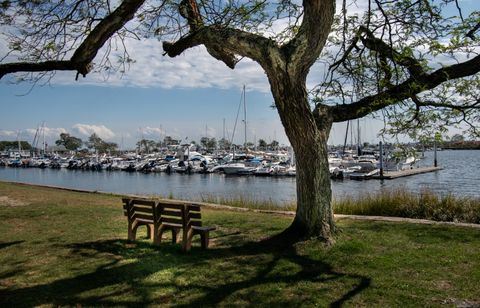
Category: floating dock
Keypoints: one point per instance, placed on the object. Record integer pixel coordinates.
(390, 175)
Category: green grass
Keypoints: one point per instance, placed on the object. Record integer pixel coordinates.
(393, 202)
(402, 203)
(248, 202)
(60, 248)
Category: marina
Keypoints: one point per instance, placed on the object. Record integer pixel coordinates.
(459, 176)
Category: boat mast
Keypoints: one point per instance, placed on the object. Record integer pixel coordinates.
(245, 117)
(223, 134)
(359, 150)
(19, 145)
(346, 136)
(44, 145)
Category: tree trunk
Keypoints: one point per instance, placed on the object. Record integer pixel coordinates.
(308, 133)
(314, 216)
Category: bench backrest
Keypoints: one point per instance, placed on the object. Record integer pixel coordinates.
(147, 210)
(193, 216)
(140, 209)
(171, 213)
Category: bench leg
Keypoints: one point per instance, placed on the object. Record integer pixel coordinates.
(175, 232)
(149, 231)
(155, 229)
(132, 231)
(205, 238)
(160, 231)
(187, 240)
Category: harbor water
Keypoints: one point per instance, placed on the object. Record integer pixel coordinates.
(460, 176)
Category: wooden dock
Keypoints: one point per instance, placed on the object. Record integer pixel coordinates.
(390, 175)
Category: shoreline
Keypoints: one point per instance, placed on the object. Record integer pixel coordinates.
(276, 212)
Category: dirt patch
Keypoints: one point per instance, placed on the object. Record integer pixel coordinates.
(6, 201)
(443, 285)
(462, 303)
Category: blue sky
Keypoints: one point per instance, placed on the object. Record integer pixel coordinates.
(188, 96)
(124, 114)
(183, 97)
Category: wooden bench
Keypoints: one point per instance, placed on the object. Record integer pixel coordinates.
(171, 218)
(162, 215)
(141, 212)
(193, 226)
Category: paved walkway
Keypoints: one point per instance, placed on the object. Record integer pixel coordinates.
(341, 216)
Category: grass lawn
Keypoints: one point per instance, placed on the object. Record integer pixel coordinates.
(62, 248)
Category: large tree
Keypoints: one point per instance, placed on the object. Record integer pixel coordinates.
(71, 143)
(99, 145)
(415, 61)
(146, 146)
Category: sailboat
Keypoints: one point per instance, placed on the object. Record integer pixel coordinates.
(234, 166)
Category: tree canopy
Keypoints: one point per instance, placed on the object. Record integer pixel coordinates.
(99, 145)
(147, 146)
(70, 143)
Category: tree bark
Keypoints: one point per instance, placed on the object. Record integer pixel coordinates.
(308, 133)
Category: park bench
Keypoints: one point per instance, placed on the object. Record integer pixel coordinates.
(141, 212)
(164, 216)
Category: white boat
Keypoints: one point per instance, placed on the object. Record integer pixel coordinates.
(237, 168)
(367, 162)
(291, 171)
(263, 170)
(364, 176)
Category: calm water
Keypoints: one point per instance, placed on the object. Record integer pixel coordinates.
(461, 176)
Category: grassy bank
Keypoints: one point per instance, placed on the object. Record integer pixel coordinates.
(402, 203)
(393, 202)
(66, 248)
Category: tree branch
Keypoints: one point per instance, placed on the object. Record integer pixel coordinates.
(199, 34)
(471, 33)
(303, 50)
(35, 67)
(223, 43)
(371, 42)
(86, 52)
(405, 90)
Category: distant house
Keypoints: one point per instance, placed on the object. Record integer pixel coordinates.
(17, 154)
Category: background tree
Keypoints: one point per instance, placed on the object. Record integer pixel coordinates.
(204, 142)
(273, 145)
(208, 144)
(108, 147)
(94, 142)
(99, 145)
(416, 62)
(70, 143)
(146, 146)
(262, 144)
(224, 144)
(457, 138)
(212, 144)
(13, 145)
(168, 140)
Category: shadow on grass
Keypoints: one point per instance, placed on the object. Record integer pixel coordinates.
(5, 245)
(123, 279)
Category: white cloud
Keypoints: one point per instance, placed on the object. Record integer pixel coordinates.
(87, 130)
(8, 134)
(151, 132)
(195, 68)
(48, 134)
